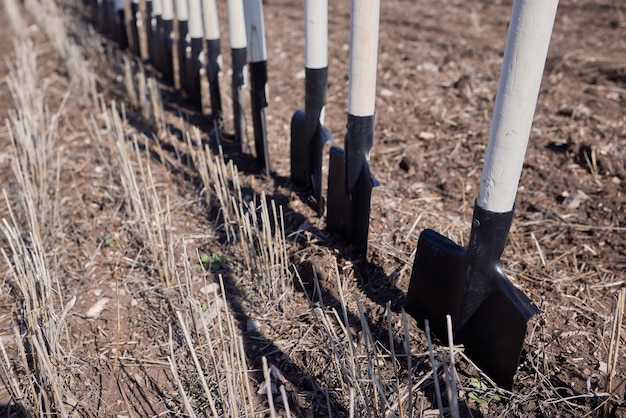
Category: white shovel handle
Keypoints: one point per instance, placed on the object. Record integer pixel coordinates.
(364, 24)
(524, 59)
(195, 19)
(236, 24)
(211, 21)
(157, 8)
(168, 10)
(255, 28)
(316, 33)
(182, 10)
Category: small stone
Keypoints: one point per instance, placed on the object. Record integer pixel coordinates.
(253, 326)
(210, 289)
(96, 309)
(426, 136)
(574, 199)
(428, 66)
(212, 311)
(263, 388)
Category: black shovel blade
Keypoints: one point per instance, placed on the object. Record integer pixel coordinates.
(494, 335)
(213, 69)
(258, 103)
(306, 157)
(134, 30)
(166, 58)
(119, 30)
(181, 49)
(147, 24)
(192, 67)
(237, 83)
(308, 137)
(437, 282)
(155, 47)
(348, 213)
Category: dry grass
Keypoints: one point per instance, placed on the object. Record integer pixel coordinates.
(151, 329)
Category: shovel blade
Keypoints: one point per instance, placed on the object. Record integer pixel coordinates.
(213, 70)
(494, 335)
(134, 30)
(437, 282)
(299, 157)
(193, 66)
(306, 157)
(348, 213)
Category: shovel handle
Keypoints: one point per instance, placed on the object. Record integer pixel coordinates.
(524, 59)
(157, 8)
(182, 10)
(255, 29)
(364, 24)
(316, 34)
(236, 25)
(196, 30)
(167, 11)
(211, 21)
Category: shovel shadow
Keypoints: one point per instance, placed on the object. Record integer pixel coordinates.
(256, 345)
(13, 410)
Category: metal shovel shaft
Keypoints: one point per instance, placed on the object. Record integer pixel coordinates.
(166, 41)
(135, 22)
(349, 209)
(258, 103)
(524, 59)
(238, 47)
(257, 56)
(490, 314)
(193, 53)
(238, 81)
(308, 134)
(213, 60)
(182, 17)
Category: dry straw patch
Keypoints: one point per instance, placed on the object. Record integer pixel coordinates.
(116, 311)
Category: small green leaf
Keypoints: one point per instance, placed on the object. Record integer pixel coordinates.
(106, 240)
(213, 262)
(477, 384)
(476, 398)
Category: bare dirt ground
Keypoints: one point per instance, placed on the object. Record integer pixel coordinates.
(439, 64)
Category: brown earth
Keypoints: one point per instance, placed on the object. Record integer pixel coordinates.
(439, 64)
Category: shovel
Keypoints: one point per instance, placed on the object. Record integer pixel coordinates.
(103, 15)
(118, 29)
(182, 17)
(350, 182)
(308, 134)
(193, 63)
(155, 24)
(213, 59)
(238, 46)
(489, 313)
(165, 41)
(135, 22)
(257, 54)
(147, 24)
